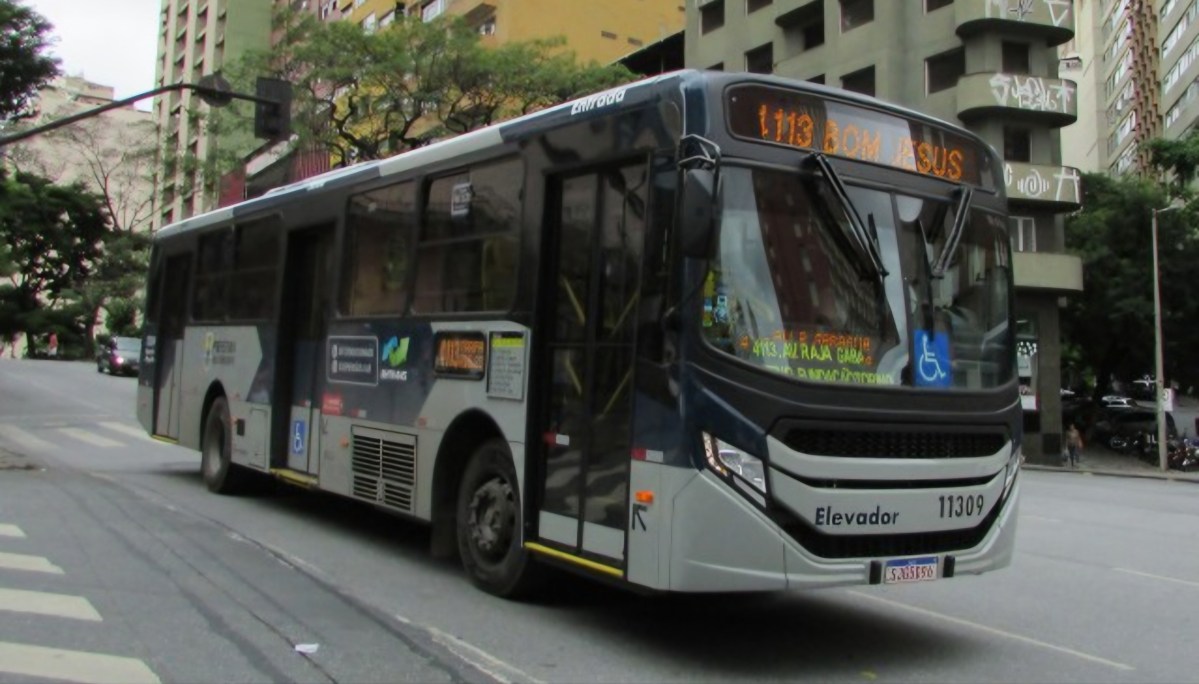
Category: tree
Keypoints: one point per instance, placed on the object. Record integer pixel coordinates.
(1110, 328)
(368, 95)
(24, 66)
(55, 235)
(1178, 160)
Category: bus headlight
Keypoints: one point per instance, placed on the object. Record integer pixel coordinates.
(726, 459)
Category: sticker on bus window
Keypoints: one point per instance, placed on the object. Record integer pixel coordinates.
(506, 365)
(460, 198)
(931, 352)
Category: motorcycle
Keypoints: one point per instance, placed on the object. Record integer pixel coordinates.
(1181, 454)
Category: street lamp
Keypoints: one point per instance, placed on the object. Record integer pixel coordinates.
(1157, 340)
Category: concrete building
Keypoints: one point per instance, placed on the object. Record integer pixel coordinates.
(990, 65)
(196, 38)
(107, 153)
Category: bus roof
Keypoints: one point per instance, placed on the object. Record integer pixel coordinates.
(517, 128)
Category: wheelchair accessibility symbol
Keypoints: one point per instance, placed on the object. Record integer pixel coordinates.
(932, 359)
(298, 433)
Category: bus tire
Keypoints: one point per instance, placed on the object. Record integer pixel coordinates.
(216, 464)
(489, 524)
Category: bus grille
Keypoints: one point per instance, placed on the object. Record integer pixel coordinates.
(860, 443)
(384, 468)
(884, 545)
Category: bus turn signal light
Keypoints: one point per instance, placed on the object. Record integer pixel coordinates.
(644, 496)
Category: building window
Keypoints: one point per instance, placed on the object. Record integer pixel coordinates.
(854, 13)
(1017, 144)
(813, 33)
(1015, 58)
(1024, 233)
(711, 16)
(818, 78)
(932, 5)
(608, 34)
(752, 6)
(431, 10)
(760, 60)
(635, 42)
(861, 81)
(719, 66)
(941, 71)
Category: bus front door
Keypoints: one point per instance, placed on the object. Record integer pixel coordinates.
(168, 345)
(592, 284)
(308, 288)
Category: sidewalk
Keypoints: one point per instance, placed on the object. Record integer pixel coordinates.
(1100, 461)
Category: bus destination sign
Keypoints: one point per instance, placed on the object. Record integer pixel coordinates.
(787, 117)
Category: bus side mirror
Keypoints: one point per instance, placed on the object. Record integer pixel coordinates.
(697, 216)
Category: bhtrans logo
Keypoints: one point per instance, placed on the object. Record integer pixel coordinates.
(392, 359)
(604, 99)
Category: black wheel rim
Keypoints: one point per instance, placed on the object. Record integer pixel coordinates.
(491, 519)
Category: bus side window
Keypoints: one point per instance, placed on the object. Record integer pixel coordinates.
(213, 268)
(467, 257)
(379, 251)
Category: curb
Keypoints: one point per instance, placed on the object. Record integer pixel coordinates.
(1172, 477)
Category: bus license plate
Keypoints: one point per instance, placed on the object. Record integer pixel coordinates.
(902, 570)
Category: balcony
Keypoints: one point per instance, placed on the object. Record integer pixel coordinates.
(1053, 187)
(1037, 99)
(1052, 20)
(1047, 271)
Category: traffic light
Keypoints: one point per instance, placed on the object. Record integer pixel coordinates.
(272, 120)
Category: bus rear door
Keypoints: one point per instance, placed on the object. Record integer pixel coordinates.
(168, 345)
(594, 249)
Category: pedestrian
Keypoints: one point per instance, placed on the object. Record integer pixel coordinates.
(53, 345)
(1073, 444)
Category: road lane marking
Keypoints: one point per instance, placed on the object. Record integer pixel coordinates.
(1189, 583)
(126, 430)
(90, 438)
(20, 561)
(7, 530)
(45, 603)
(482, 660)
(74, 666)
(997, 632)
(25, 439)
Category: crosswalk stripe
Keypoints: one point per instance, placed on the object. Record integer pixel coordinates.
(74, 666)
(25, 439)
(45, 603)
(20, 561)
(7, 530)
(90, 438)
(125, 429)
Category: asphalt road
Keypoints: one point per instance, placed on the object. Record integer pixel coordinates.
(1104, 586)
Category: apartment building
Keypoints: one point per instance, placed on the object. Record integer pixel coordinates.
(103, 153)
(196, 38)
(604, 31)
(989, 65)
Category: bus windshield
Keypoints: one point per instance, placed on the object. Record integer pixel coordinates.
(786, 293)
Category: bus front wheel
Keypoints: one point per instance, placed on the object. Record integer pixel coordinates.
(220, 475)
(489, 524)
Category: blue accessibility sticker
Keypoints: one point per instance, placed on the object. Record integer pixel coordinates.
(299, 430)
(931, 353)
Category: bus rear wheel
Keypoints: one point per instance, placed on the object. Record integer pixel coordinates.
(220, 474)
(489, 524)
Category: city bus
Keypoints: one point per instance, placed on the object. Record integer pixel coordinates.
(701, 332)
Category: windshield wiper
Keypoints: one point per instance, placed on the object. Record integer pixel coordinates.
(864, 243)
(929, 320)
(965, 194)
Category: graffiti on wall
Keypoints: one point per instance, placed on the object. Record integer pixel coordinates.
(1026, 10)
(1032, 182)
(1032, 92)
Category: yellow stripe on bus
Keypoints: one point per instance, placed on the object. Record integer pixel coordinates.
(293, 477)
(164, 438)
(590, 565)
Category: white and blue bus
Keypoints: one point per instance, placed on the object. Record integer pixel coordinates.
(702, 332)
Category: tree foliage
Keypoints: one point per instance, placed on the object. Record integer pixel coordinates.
(24, 65)
(368, 95)
(1110, 327)
(1177, 159)
(55, 235)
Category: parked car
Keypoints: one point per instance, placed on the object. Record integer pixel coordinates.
(119, 356)
(1116, 401)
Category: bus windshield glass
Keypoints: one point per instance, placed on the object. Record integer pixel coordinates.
(784, 292)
